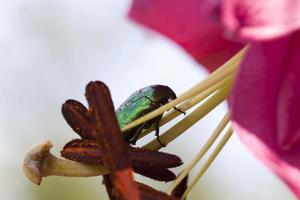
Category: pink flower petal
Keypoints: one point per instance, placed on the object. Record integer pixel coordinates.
(193, 24)
(260, 20)
(266, 106)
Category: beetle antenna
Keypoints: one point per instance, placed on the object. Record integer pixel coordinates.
(178, 109)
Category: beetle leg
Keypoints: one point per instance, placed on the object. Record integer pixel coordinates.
(136, 134)
(178, 109)
(157, 134)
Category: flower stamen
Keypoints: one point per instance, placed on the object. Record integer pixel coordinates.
(209, 161)
(203, 150)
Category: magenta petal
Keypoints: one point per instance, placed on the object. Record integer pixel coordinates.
(193, 24)
(261, 19)
(266, 106)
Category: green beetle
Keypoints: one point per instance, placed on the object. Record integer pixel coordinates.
(140, 103)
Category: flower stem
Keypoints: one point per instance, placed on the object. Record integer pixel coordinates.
(59, 167)
(209, 161)
(39, 163)
(191, 119)
(229, 68)
(203, 150)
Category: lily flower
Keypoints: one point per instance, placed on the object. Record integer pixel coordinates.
(264, 101)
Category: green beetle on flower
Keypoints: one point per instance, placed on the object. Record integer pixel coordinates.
(140, 103)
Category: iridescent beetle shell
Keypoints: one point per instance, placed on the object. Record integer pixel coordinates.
(140, 103)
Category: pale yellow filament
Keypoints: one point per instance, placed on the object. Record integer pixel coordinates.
(209, 161)
(202, 151)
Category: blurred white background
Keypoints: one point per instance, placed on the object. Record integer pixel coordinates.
(49, 51)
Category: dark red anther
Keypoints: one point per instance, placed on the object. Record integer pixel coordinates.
(179, 190)
(152, 164)
(108, 135)
(149, 193)
(77, 116)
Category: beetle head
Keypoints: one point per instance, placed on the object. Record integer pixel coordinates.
(164, 94)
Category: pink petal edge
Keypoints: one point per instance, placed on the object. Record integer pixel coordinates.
(260, 20)
(286, 172)
(265, 106)
(193, 24)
